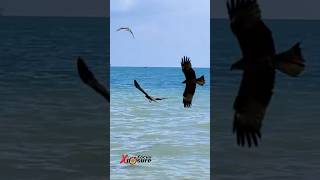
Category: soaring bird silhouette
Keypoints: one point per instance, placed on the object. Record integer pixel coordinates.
(126, 29)
(191, 81)
(88, 78)
(150, 98)
(259, 64)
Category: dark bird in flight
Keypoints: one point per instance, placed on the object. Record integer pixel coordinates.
(150, 98)
(259, 64)
(191, 81)
(126, 29)
(88, 78)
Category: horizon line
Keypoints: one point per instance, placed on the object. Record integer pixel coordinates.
(273, 19)
(155, 66)
(107, 16)
(49, 16)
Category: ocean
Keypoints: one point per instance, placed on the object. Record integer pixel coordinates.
(52, 125)
(55, 127)
(290, 136)
(177, 139)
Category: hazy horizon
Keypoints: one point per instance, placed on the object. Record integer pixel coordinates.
(108, 17)
(273, 19)
(66, 16)
(156, 66)
(275, 9)
(57, 8)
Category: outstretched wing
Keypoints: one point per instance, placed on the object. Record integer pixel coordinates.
(131, 33)
(88, 78)
(254, 37)
(251, 103)
(159, 99)
(190, 81)
(119, 29)
(122, 28)
(136, 84)
(257, 83)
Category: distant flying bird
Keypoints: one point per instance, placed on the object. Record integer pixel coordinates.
(126, 29)
(88, 78)
(191, 81)
(259, 64)
(150, 98)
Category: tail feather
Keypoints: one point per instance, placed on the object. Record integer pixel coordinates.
(201, 81)
(290, 62)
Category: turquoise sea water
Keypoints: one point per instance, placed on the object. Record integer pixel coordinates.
(176, 138)
(290, 135)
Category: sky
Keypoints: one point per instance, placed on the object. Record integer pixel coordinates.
(276, 9)
(86, 8)
(165, 30)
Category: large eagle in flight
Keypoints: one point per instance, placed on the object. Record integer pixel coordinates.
(259, 64)
(88, 78)
(191, 81)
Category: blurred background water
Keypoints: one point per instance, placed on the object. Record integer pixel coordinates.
(51, 125)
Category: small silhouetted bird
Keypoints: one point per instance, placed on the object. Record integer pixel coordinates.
(150, 98)
(126, 29)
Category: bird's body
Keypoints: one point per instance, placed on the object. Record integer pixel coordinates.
(88, 78)
(259, 64)
(191, 81)
(126, 29)
(150, 98)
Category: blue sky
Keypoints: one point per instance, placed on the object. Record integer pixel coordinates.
(165, 31)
